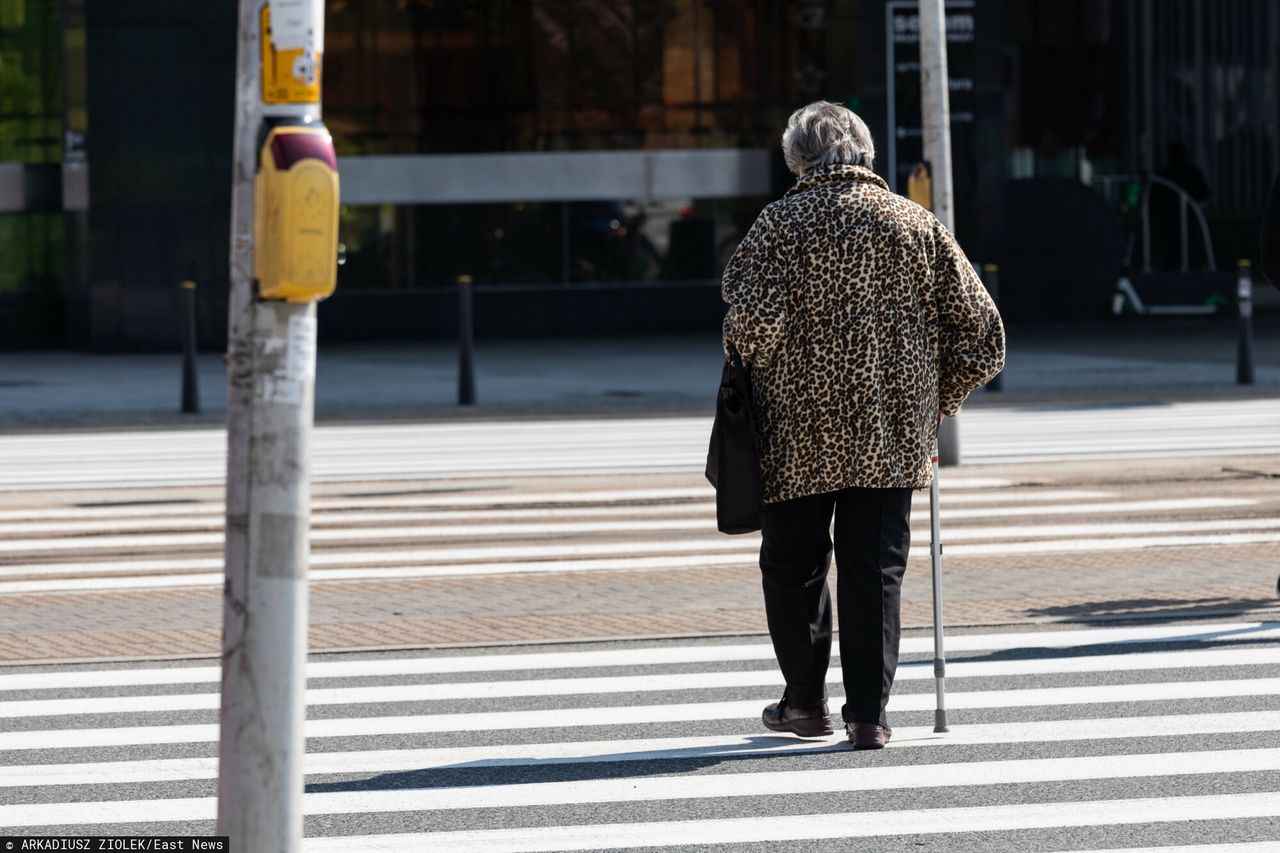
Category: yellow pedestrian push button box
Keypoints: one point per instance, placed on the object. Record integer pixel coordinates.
(296, 215)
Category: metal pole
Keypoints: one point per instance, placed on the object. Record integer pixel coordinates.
(271, 375)
(1146, 225)
(936, 113)
(1148, 140)
(466, 343)
(935, 554)
(234, 817)
(566, 265)
(891, 97)
(190, 379)
(1244, 345)
(991, 278)
(935, 107)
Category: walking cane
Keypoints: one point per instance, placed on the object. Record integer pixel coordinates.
(935, 552)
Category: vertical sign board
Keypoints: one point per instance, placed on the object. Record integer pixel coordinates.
(902, 80)
(292, 33)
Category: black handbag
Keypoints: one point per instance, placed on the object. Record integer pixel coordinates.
(733, 459)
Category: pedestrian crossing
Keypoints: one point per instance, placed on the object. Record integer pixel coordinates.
(51, 547)
(617, 445)
(1124, 737)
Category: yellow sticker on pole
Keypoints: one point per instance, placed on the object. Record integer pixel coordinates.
(920, 186)
(290, 76)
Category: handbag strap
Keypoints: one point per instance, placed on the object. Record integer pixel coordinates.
(735, 357)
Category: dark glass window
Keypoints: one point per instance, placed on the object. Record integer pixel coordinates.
(30, 101)
(1066, 72)
(469, 76)
(420, 76)
(30, 132)
(540, 244)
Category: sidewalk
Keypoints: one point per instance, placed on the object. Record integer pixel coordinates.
(1125, 361)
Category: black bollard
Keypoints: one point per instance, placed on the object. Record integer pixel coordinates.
(466, 343)
(991, 278)
(1244, 346)
(190, 379)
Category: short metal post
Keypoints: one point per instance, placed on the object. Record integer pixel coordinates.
(1146, 227)
(466, 343)
(566, 260)
(991, 278)
(935, 553)
(1244, 345)
(190, 379)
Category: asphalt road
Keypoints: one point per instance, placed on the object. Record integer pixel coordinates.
(1107, 735)
(558, 446)
(136, 572)
(1062, 739)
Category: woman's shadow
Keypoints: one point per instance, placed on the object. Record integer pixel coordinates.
(663, 762)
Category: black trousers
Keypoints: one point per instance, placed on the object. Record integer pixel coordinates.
(872, 537)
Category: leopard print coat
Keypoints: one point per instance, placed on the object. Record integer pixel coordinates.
(859, 320)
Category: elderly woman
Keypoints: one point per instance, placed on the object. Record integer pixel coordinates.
(862, 325)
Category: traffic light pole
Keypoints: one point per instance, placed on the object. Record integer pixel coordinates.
(935, 107)
(271, 370)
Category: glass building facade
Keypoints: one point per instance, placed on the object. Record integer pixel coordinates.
(577, 75)
(591, 164)
(31, 122)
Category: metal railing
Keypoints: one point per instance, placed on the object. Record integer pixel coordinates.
(1107, 183)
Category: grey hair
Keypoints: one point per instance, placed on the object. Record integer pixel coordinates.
(824, 134)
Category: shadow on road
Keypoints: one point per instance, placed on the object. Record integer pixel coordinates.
(1109, 609)
(619, 765)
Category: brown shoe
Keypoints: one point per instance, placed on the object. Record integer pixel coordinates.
(806, 722)
(868, 735)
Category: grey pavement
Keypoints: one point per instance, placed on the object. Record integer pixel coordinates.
(1131, 360)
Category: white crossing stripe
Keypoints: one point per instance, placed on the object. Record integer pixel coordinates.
(1102, 529)
(1133, 543)
(580, 752)
(1223, 658)
(547, 529)
(693, 560)
(1100, 508)
(640, 714)
(62, 677)
(212, 520)
(563, 505)
(444, 553)
(717, 786)
(486, 501)
(1081, 745)
(814, 827)
(738, 552)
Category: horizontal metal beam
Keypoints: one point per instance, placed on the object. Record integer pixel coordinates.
(555, 176)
